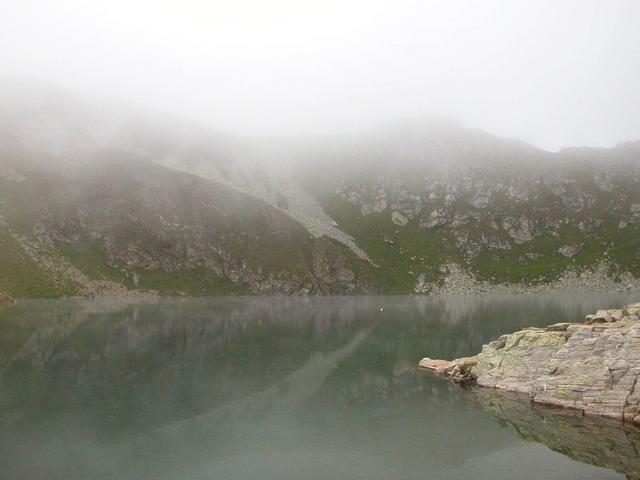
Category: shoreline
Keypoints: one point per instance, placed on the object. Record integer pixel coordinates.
(516, 290)
(595, 279)
(592, 367)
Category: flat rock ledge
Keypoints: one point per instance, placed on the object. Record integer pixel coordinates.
(592, 366)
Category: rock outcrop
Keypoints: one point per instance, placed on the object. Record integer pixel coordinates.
(593, 366)
(5, 300)
(459, 369)
(124, 224)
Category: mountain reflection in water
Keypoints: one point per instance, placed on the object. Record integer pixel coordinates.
(282, 388)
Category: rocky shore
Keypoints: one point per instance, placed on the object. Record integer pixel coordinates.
(597, 278)
(592, 366)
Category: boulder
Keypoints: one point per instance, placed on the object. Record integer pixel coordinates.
(437, 218)
(604, 316)
(439, 366)
(458, 369)
(399, 219)
(520, 229)
(5, 300)
(422, 284)
(464, 218)
(570, 250)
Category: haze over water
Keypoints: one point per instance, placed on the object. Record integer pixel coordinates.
(283, 388)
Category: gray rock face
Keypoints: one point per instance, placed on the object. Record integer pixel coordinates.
(485, 242)
(399, 219)
(521, 229)
(408, 204)
(422, 284)
(466, 218)
(570, 250)
(459, 369)
(604, 316)
(437, 218)
(591, 367)
(377, 206)
(481, 199)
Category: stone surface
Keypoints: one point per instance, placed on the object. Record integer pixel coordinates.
(570, 250)
(439, 366)
(461, 369)
(458, 279)
(399, 219)
(604, 316)
(437, 218)
(593, 367)
(5, 300)
(458, 369)
(422, 284)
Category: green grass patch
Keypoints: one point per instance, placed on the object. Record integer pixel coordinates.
(22, 277)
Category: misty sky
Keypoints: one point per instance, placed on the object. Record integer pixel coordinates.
(553, 73)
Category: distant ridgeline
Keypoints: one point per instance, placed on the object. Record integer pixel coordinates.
(101, 203)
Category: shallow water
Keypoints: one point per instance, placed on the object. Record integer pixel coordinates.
(283, 388)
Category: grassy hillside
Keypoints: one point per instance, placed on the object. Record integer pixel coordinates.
(499, 217)
(142, 226)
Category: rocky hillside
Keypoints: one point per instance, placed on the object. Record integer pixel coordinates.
(99, 199)
(38, 119)
(118, 222)
(470, 211)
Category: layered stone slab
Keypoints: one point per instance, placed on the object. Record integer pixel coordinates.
(592, 366)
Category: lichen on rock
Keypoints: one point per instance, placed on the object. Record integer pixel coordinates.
(593, 366)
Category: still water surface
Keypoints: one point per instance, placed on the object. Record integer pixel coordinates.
(283, 388)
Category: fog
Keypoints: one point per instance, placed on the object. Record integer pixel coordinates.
(551, 73)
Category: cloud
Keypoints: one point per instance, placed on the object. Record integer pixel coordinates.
(554, 73)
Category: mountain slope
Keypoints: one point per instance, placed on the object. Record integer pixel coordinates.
(97, 199)
(37, 118)
(119, 221)
(466, 203)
